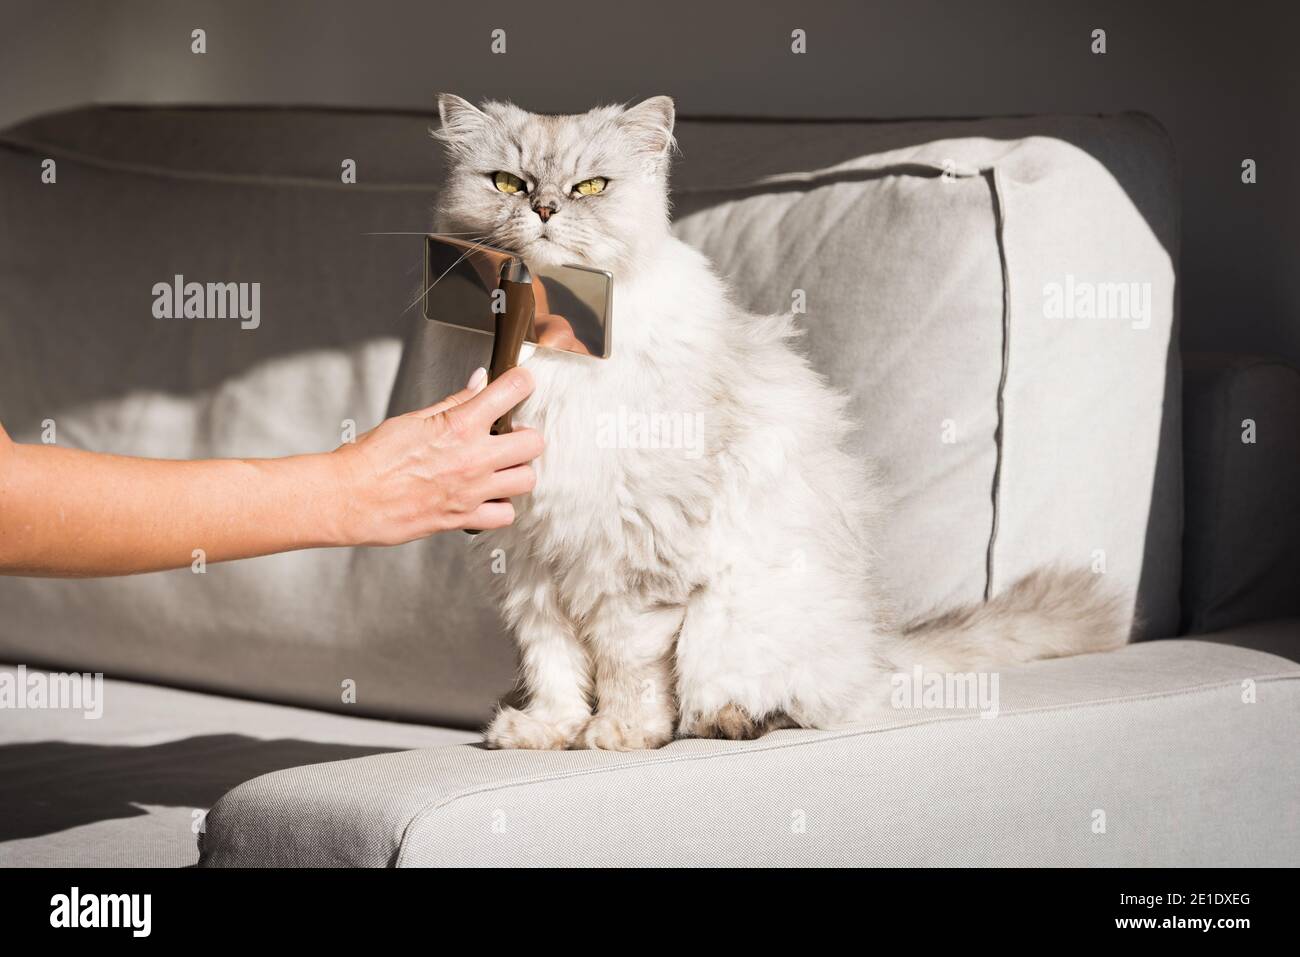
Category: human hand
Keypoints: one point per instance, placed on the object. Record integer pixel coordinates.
(438, 468)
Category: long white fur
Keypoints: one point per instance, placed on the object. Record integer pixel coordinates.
(718, 589)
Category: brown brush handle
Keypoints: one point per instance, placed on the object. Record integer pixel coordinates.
(512, 326)
(511, 330)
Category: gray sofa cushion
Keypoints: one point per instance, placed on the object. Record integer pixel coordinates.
(129, 789)
(1095, 760)
(926, 252)
(1243, 492)
(143, 195)
(1279, 636)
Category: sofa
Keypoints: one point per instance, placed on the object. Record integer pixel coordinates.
(999, 300)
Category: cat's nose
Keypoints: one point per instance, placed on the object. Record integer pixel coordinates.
(544, 211)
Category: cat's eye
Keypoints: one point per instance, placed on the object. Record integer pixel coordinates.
(590, 187)
(507, 182)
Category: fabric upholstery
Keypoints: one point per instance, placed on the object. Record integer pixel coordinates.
(908, 309)
(1243, 492)
(1280, 636)
(129, 789)
(925, 251)
(1095, 760)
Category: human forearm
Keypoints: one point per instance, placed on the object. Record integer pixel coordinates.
(149, 514)
(69, 513)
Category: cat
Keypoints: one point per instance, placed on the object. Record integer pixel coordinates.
(718, 587)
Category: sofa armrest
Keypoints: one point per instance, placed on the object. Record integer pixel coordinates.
(902, 790)
(1241, 447)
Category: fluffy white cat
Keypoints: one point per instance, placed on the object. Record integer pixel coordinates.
(724, 586)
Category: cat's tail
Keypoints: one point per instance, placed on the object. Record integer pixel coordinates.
(1050, 613)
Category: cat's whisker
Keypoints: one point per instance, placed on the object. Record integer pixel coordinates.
(421, 233)
(474, 245)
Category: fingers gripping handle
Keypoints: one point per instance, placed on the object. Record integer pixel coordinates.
(512, 325)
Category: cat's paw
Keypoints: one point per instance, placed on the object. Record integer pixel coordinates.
(607, 732)
(515, 729)
(732, 723)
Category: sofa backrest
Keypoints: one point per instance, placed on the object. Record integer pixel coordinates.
(996, 296)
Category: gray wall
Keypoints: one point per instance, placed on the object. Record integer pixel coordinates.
(1220, 77)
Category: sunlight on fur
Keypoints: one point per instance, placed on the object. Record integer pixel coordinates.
(722, 591)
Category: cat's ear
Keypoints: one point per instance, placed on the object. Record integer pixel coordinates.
(460, 118)
(651, 122)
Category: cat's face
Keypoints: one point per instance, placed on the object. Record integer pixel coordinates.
(589, 189)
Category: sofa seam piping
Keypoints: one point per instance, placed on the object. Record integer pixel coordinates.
(999, 434)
